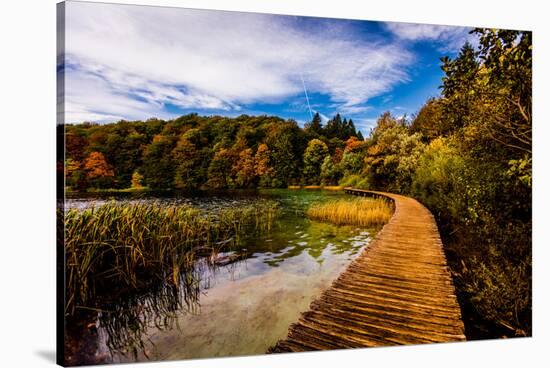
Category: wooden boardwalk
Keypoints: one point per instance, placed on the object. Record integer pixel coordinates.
(398, 291)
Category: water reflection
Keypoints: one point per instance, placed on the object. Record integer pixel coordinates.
(220, 306)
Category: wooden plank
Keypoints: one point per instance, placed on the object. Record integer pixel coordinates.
(398, 291)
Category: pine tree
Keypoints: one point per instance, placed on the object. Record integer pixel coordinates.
(315, 126)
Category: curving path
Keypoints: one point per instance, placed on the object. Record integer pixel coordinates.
(398, 291)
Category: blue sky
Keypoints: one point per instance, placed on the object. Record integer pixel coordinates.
(135, 62)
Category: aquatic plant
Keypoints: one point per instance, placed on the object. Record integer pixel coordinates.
(357, 211)
(117, 248)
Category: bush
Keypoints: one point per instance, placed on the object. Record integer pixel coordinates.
(355, 181)
(488, 235)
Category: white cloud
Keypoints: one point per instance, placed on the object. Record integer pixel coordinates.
(132, 60)
(89, 97)
(365, 125)
(450, 38)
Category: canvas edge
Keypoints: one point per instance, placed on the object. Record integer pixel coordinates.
(60, 186)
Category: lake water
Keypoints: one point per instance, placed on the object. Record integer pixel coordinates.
(246, 306)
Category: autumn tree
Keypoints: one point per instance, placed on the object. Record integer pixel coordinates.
(338, 155)
(262, 165)
(76, 144)
(353, 143)
(429, 121)
(98, 172)
(244, 169)
(137, 180)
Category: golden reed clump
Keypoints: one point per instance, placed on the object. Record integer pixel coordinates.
(359, 211)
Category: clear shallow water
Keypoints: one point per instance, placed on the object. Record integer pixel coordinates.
(246, 306)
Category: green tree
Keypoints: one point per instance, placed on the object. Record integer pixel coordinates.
(314, 155)
(75, 177)
(392, 155)
(330, 173)
(220, 169)
(158, 165)
(286, 142)
(352, 163)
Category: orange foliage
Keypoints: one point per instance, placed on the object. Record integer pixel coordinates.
(243, 168)
(262, 160)
(338, 154)
(97, 167)
(353, 143)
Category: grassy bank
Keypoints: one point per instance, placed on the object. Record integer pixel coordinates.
(358, 211)
(123, 247)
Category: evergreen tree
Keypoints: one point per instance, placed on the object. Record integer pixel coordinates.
(315, 125)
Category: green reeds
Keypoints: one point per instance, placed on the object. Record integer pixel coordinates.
(120, 247)
(358, 211)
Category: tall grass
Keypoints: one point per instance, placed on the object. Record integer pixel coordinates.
(116, 248)
(358, 211)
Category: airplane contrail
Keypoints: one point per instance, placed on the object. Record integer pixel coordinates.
(307, 98)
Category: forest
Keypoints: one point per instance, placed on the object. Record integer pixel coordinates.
(197, 152)
(466, 155)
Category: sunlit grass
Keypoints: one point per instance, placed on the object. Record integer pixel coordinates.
(359, 211)
(333, 187)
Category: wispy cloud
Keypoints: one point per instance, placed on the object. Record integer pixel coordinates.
(132, 62)
(450, 38)
(365, 124)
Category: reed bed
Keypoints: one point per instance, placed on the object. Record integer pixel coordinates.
(333, 187)
(312, 187)
(358, 211)
(324, 187)
(120, 247)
